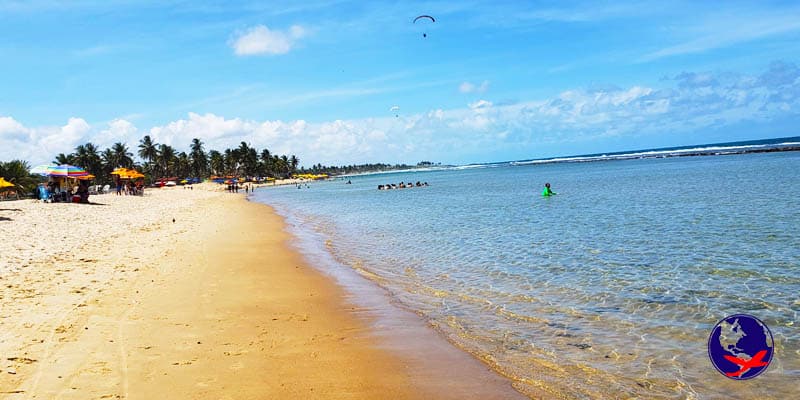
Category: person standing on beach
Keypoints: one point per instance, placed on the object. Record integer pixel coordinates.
(547, 192)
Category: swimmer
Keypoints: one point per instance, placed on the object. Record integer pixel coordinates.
(547, 192)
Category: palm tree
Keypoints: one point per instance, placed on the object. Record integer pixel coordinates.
(18, 173)
(183, 166)
(62, 158)
(231, 158)
(199, 161)
(293, 161)
(148, 151)
(216, 162)
(122, 156)
(86, 156)
(251, 162)
(242, 158)
(265, 155)
(108, 161)
(166, 158)
(285, 165)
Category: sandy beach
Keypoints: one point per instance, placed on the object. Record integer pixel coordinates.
(193, 294)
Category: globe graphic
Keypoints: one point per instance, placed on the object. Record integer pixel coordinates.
(740, 346)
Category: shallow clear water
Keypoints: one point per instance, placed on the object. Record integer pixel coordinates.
(609, 289)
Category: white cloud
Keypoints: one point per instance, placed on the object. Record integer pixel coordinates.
(693, 102)
(118, 130)
(469, 87)
(262, 40)
(54, 141)
(9, 127)
(480, 105)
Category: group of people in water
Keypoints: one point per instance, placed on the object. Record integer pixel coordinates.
(401, 185)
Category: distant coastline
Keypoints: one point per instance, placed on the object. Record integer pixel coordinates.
(712, 149)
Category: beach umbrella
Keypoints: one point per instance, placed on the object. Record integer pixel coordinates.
(43, 169)
(67, 171)
(86, 177)
(4, 183)
(126, 173)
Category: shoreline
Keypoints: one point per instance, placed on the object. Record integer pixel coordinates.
(215, 304)
(400, 328)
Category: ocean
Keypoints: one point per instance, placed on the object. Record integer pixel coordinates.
(609, 289)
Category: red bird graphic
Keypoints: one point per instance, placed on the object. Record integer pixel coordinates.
(745, 365)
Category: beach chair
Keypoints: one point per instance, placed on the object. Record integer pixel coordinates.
(106, 189)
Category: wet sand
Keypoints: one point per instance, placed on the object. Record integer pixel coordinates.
(116, 300)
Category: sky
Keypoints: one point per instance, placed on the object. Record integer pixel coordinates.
(343, 82)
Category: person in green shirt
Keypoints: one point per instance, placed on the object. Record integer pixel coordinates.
(547, 192)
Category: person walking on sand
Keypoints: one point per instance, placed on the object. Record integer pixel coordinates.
(547, 192)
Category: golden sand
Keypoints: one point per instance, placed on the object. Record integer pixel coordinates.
(115, 300)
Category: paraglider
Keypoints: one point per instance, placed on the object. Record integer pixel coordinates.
(395, 110)
(424, 17)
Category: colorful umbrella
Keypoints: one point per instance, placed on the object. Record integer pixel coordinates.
(86, 177)
(43, 169)
(4, 183)
(67, 171)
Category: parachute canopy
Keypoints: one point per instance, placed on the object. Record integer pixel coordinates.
(424, 17)
(395, 108)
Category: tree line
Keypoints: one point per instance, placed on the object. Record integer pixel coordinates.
(158, 160)
(363, 168)
(162, 160)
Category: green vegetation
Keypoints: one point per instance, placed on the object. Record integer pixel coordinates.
(162, 160)
(17, 172)
(363, 168)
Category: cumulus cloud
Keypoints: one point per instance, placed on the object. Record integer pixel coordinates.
(688, 102)
(118, 130)
(39, 144)
(469, 87)
(262, 40)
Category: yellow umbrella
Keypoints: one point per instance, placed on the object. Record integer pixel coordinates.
(120, 171)
(5, 183)
(86, 177)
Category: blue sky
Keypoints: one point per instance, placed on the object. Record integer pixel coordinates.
(492, 81)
